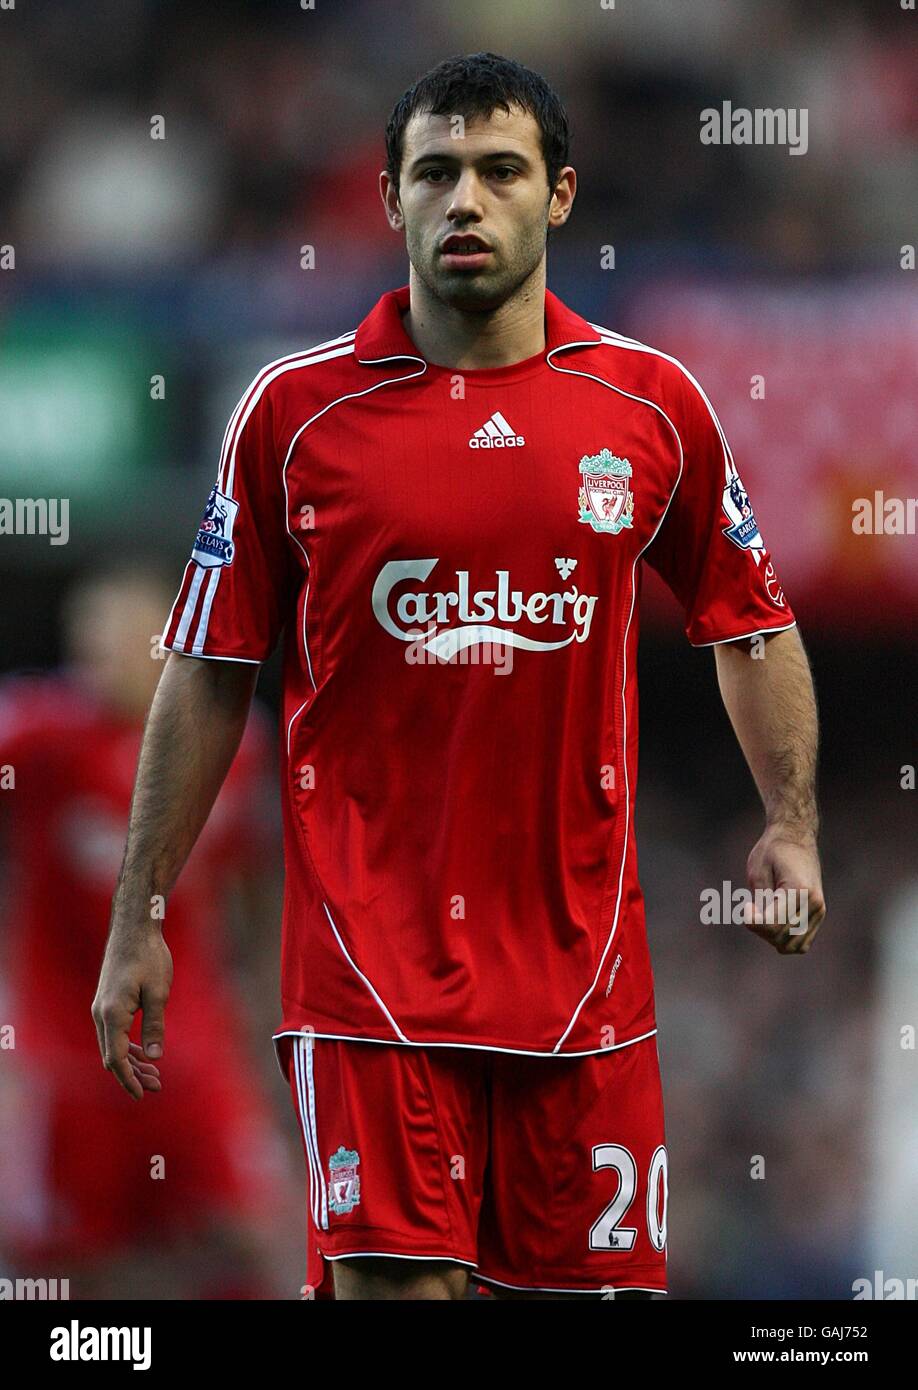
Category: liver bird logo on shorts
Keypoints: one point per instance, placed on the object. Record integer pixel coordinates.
(343, 1181)
(606, 500)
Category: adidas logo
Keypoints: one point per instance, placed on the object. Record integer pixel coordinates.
(496, 434)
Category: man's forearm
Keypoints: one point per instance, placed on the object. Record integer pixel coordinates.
(192, 733)
(772, 705)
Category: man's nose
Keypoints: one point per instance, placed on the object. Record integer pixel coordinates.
(466, 199)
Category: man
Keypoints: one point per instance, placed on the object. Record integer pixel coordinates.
(445, 510)
(180, 1195)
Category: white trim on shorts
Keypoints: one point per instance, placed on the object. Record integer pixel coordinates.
(537, 1288)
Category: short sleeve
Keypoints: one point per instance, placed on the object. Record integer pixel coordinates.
(709, 549)
(239, 583)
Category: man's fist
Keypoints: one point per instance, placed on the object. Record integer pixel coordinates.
(785, 863)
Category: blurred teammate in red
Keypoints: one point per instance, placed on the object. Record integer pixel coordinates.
(165, 1199)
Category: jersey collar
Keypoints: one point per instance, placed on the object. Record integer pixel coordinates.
(381, 335)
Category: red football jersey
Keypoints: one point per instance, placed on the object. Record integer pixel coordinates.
(456, 558)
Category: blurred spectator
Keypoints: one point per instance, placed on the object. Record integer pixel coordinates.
(177, 1195)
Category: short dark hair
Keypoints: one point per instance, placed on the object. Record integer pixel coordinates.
(475, 84)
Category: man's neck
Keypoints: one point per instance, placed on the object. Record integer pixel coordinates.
(449, 337)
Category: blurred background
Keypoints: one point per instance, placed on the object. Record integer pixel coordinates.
(143, 281)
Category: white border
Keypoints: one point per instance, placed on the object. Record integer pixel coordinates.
(205, 656)
(759, 632)
(306, 1034)
(390, 1255)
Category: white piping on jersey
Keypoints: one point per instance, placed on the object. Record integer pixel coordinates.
(207, 656)
(465, 1047)
(298, 712)
(256, 386)
(253, 394)
(305, 642)
(571, 371)
(358, 971)
(730, 471)
(613, 339)
(267, 376)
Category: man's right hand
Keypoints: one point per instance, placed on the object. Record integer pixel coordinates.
(134, 976)
(191, 736)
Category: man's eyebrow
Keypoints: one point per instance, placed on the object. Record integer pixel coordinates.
(447, 156)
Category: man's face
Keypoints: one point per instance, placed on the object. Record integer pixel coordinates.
(483, 187)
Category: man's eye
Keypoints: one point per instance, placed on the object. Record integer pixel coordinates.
(504, 169)
(429, 172)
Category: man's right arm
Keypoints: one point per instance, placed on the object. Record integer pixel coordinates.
(193, 730)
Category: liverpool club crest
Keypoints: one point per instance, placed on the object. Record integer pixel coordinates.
(343, 1181)
(606, 499)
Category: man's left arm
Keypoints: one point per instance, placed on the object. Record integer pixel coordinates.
(768, 694)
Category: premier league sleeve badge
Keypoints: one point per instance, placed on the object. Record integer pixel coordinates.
(743, 529)
(213, 544)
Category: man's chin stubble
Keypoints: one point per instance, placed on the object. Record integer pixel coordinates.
(480, 292)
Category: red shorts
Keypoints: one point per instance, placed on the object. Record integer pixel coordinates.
(539, 1173)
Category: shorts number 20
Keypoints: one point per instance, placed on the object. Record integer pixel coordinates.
(606, 1233)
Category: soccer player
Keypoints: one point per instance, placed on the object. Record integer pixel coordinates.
(447, 512)
(178, 1195)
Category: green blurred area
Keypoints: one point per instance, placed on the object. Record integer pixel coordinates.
(83, 407)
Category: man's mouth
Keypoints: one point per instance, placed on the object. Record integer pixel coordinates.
(464, 251)
(463, 244)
